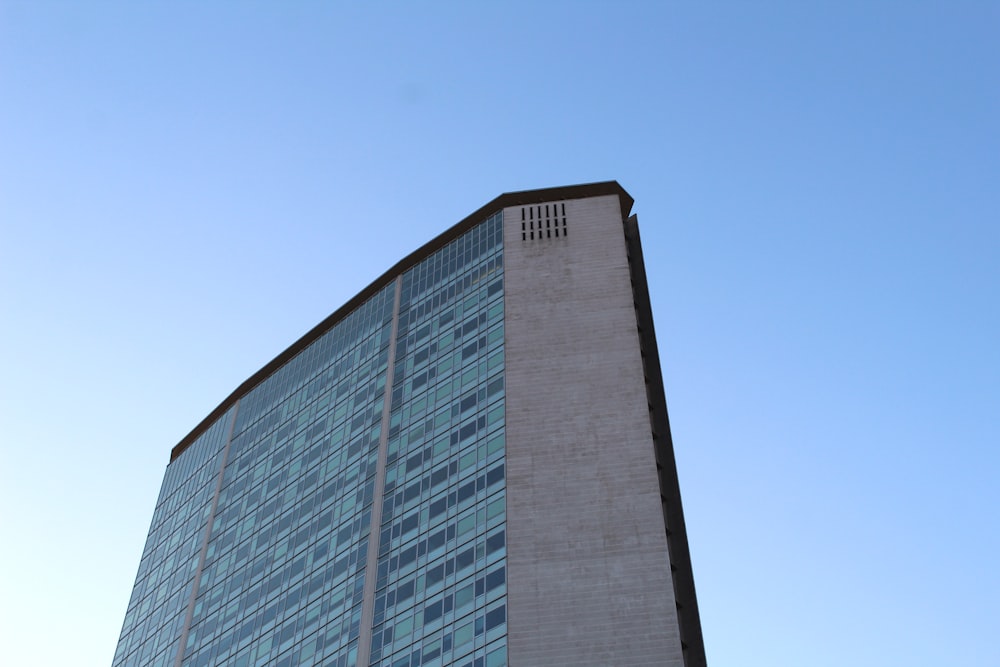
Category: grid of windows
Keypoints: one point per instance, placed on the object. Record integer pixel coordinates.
(441, 579)
(260, 540)
(158, 607)
(283, 576)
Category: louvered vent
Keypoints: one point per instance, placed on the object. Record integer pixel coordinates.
(543, 221)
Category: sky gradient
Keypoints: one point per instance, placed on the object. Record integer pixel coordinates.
(186, 188)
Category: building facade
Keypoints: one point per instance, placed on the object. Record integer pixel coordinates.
(469, 464)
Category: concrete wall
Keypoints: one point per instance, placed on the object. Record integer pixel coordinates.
(588, 571)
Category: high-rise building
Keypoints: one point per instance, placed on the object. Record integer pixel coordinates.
(468, 464)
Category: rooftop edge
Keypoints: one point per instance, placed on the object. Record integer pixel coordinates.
(522, 198)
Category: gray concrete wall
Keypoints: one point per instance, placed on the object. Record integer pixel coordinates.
(588, 570)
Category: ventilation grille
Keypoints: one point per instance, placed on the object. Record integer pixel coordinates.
(543, 221)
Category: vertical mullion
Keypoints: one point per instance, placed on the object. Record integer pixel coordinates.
(371, 563)
(204, 543)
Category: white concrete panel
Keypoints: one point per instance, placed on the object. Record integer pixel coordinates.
(588, 571)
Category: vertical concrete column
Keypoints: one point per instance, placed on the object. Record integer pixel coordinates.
(371, 564)
(189, 614)
(588, 569)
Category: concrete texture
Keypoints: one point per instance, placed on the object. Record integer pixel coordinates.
(588, 569)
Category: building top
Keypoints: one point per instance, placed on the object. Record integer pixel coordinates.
(523, 198)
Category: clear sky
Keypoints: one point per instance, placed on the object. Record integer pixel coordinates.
(187, 187)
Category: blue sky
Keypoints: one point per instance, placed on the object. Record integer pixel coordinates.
(186, 188)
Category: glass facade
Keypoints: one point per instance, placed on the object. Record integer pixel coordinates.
(262, 548)
(160, 598)
(441, 582)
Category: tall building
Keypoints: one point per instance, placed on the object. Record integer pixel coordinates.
(468, 464)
